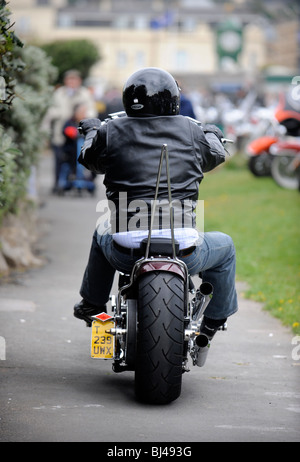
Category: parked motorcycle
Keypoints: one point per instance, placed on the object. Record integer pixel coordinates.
(277, 143)
(154, 325)
(260, 160)
(268, 131)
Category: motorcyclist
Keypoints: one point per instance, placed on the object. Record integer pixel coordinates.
(127, 151)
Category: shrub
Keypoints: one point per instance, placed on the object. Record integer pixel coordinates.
(27, 74)
(72, 54)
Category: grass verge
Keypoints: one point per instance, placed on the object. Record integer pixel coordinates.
(263, 221)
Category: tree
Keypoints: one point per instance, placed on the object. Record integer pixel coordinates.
(72, 54)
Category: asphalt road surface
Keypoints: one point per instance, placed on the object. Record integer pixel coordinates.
(52, 391)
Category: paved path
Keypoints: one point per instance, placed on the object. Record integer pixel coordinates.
(51, 390)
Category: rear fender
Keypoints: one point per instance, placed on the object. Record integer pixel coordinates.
(146, 265)
(288, 146)
(169, 266)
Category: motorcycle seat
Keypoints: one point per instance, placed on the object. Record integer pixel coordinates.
(160, 246)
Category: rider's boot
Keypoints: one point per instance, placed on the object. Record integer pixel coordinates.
(84, 310)
(208, 329)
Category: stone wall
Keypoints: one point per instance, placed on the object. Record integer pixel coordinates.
(18, 240)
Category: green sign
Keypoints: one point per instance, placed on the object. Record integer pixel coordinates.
(229, 40)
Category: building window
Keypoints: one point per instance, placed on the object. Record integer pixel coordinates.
(64, 20)
(181, 60)
(140, 59)
(121, 59)
(23, 26)
(140, 22)
(122, 22)
(187, 24)
(42, 2)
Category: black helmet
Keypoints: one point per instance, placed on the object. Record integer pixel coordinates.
(151, 91)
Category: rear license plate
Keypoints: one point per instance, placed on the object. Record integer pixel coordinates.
(102, 345)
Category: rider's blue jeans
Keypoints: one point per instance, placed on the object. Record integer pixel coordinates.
(214, 257)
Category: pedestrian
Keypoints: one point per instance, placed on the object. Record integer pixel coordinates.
(65, 98)
(68, 174)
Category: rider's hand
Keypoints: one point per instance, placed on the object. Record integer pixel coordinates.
(87, 125)
(209, 128)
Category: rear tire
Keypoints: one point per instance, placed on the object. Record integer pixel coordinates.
(283, 172)
(160, 338)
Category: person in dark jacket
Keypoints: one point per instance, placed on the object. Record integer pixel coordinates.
(186, 106)
(127, 151)
(70, 176)
(69, 148)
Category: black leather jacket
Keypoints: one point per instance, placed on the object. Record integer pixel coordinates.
(127, 151)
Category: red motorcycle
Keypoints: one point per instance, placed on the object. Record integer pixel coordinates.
(260, 159)
(262, 150)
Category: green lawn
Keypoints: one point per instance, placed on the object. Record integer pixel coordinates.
(263, 220)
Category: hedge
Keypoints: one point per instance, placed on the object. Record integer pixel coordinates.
(26, 77)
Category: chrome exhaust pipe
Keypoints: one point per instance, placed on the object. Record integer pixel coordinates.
(201, 349)
(202, 298)
(202, 340)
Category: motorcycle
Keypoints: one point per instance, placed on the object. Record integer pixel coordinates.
(277, 143)
(258, 149)
(154, 325)
(285, 167)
